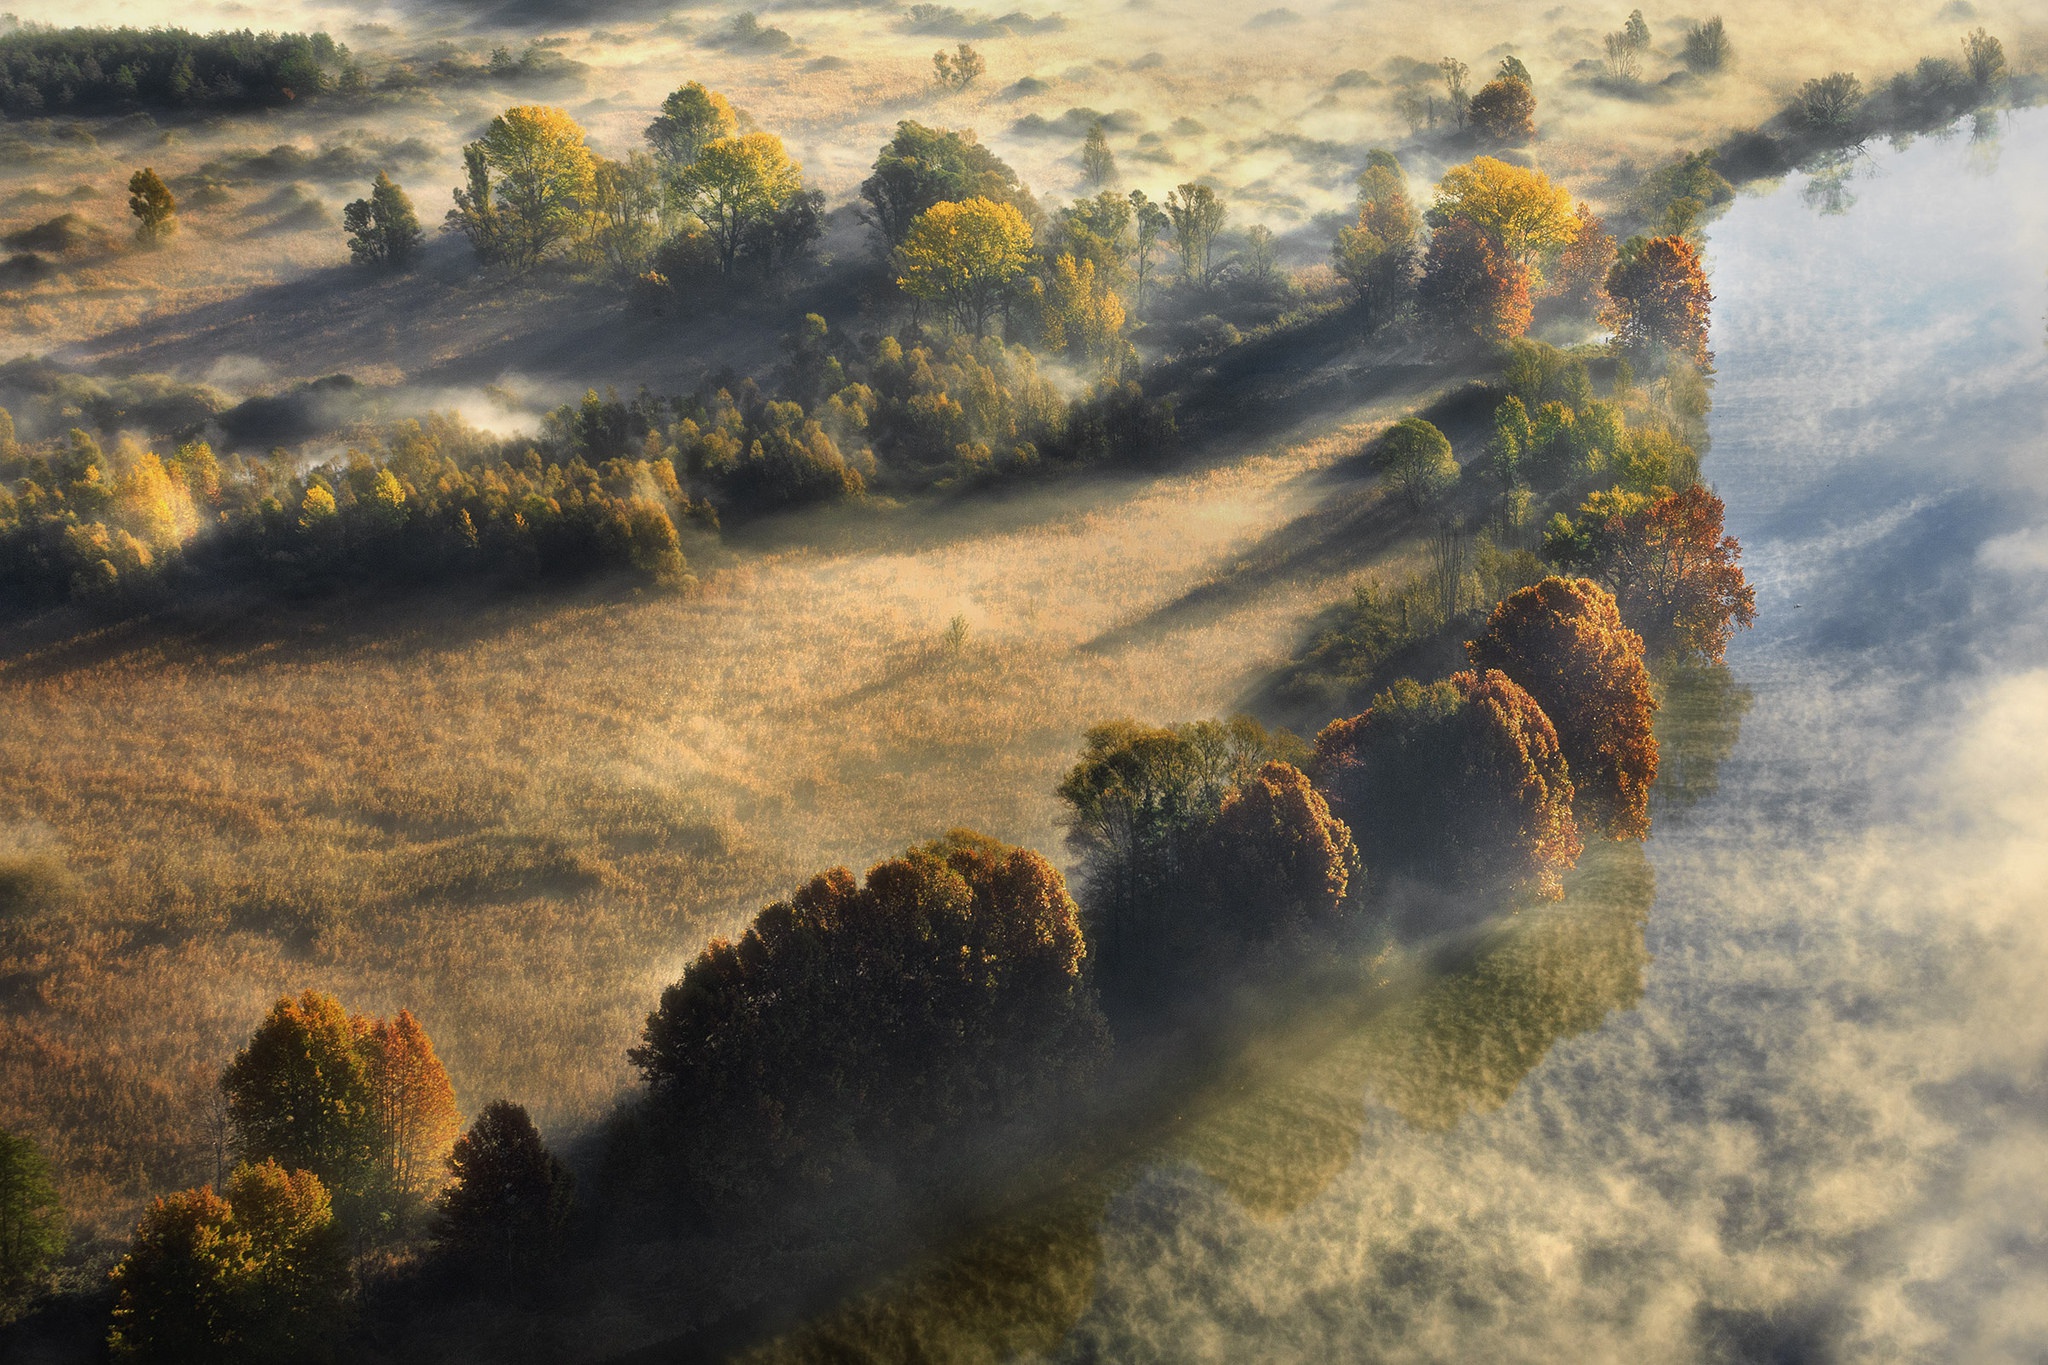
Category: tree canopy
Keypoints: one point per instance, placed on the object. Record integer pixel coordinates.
(31, 1222)
(508, 1197)
(738, 184)
(691, 119)
(1524, 214)
(1377, 254)
(543, 182)
(1471, 288)
(1675, 576)
(382, 229)
(154, 206)
(920, 167)
(1661, 299)
(1415, 460)
(1505, 109)
(964, 256)
(1563, 641)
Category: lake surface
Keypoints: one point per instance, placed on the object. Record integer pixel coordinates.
(1774, 1087)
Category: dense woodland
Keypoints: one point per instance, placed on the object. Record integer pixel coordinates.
(1477, 726)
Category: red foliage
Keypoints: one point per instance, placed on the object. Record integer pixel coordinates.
(1660, 299)
(1563, 640)
(1472, 287)
(1673, 573)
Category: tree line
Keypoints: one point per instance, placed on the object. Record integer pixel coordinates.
(44, 69)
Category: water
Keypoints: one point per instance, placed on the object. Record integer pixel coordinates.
(1772, 1087)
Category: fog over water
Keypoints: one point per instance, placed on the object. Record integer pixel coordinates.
(1819, 1134)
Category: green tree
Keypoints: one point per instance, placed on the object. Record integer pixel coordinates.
(31, 1222)
(475, 214)
(508, 1197)
(1984, 56)
(1377, 254)
(382, 229)
(737, 185)
(543, 180)
(625, 203)
(1148, 224)
(1197, 214)
(1097, 230)
(690, 120)
(154, 206)
(960, 69)
(1098, 162)
(256, 1276)
(1415, 460)
(299, 1092)
(965, 257)
(1707, 47)
(921, 166)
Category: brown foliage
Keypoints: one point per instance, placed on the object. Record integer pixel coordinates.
(1504, 110)
(413, 1105)
(1660, 299)
(1472, 287)
(1583, 266)
(1563, 641)
(1277, 862)
(1459, 782)
(1673, 573)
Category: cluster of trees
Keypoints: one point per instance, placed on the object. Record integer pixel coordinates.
(428, 500)
(31, 1224)
(345, 1133)
(862, 1029)
(108, 70)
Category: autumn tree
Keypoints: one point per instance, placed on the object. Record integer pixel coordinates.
(1471, 288)
(255, 1274)
(1097, 229)
(1581, 276)
(31, 1223)
(861, 1025)
(1459, 783)
(529, 185)
(1660, 300)
(1197, 215)
(1149, 223)
(965, 256)
(299, 1092)
(1274, 865)
(1376, 255)
(1564, 642)
(1098, 163)
(1675, 576)
(625, 208)
(1415, 460)
(1082, 314)
(1526, 216)
(735, 185)
(920, 167)
(412, 1105)
(382, 230)
(154, 206)
(690, 120)
(1505, 109)
(508, 1197)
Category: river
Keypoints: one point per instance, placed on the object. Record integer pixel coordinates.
(1771, 1088)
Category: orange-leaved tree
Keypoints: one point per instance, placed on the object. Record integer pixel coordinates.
(1472, 288)
(1459, 783)
(1675, 576)
(1274, 863)
(1660, 299)
(413, 1104)
(1562, 639)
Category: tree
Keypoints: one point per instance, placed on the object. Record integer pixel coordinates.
(299, 1092)
(475, 214)
(1471, 288)
(154, 206)
(1274, 864)
(735, 185)
(1564, 642)
(625, 204)
(1459, 782)
(1098, 163)
(1455, 74)
(1197, 215)
(1149, 222)
(872, 1025)
(1624, 59)
(1829, 103)
(961, 69)
(1675, 576)
(258, 1275)
(1377, 254)
(1660, 300)
(1082, 314)
(383, 230)
(1984, 56)
(1582, 267)
(690, 120)
(543, 180)
(965, 256)
(508, 1197)
(31, 1223)
(412, 1105)
(1511, 69)
(1528, 217)
(1415, 460)
(1636, 31)
(1097, 230)
(921, 166)
(1707, 48)
(1504, 110)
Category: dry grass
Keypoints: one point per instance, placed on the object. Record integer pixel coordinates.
(517, 818)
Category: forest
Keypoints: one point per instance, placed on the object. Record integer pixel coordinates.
(618, 734)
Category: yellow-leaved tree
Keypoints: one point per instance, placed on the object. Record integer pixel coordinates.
(964, 256)
(543, 178)
(737, 184)
(1083, 315)
(1528, 217)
